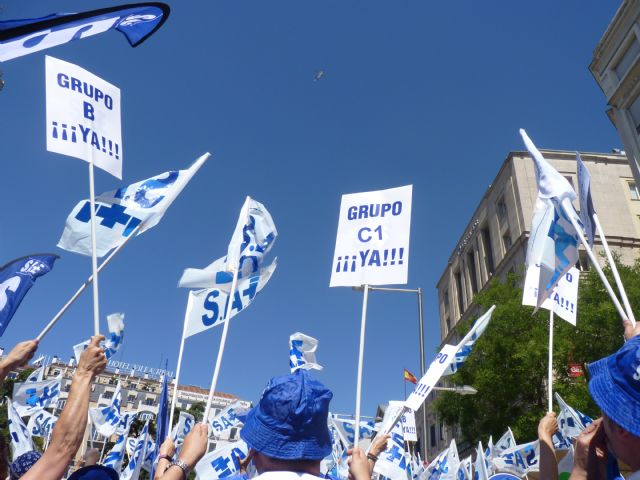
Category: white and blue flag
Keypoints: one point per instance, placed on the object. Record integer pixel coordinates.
(253, 237)
(106, 419)
(520, 459)
(466, 344)
(132, 470)
(571, 423)
(392, 463)
(16, 278)
(302, 352)
(186, 421)
(41, 424)
(25, 36)
(586, 203)
(346, 430)
(506, 441)
(112, 344)
(30, 397)
(228, 418)
(21, 441)
(115, 456)
(118, 213)
(481, 466)
(553, 242)
(36, 376)
(222, 462)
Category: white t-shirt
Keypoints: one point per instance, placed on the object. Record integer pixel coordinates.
(286, 476)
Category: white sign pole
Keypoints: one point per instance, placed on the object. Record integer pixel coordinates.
(177, 378)
(614, 269)
(363, 325)
(567, 207)
(550, 373)
(94, 258)
(223, 341)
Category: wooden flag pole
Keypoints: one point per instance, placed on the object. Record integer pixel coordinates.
(84, 286)
(223, 341)
(94, 258)
(175, 389)
(363, 324)
(614, 269)
(550, 372)
(567, 207)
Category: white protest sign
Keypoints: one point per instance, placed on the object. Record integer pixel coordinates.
(372, 244)
(563, 299)
(408, 419)
(83, 116)
(426, 383)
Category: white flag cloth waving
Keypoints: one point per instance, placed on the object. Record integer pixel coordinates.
(223, 462)
(112, 344)
(570, 421)
(520, 459)
(41, 424)
(553, 243)
(481, 465)
(506, 441)
(226, 419)
(119, 212)
(30, 397)
(20, 438)
(114, 458)
(302, 352)
(466, 344)
(37, 375)
(132, 470)
(186, 421)
(253, 237)
(392, 463)
(106, 419)
(205, 308)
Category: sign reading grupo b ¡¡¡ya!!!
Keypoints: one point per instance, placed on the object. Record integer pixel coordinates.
(372, 245)
(83, 116)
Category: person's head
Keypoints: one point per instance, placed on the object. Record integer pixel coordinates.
(91, 456)
(288, 429)
(615, 387)
(22, 464)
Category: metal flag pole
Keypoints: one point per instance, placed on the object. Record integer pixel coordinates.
(177, 378)
(363, 324)
(614, 269)
(550, 372)
(422, 371)
(223, 341)
(84, 286)
(567, 207)
(94, 258)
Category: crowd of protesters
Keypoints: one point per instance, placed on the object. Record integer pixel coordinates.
(288, 436)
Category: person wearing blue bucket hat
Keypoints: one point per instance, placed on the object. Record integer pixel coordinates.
(615, 388)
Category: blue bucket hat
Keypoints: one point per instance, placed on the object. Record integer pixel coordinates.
(290, 421)
(95, 472)
(22, 464)
(615, 386)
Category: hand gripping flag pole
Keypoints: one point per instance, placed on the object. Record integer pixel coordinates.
(568, 208)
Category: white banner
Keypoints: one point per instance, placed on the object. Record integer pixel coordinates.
(83, 116)
(372, 245)
(222, 462)
(426, 383)
(20, 437)
(41, 424)
(205, 308)
(29, 397)
(520, 459)
(226, 419)
(563, 298)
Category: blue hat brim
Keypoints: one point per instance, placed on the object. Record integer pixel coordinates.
(276, 445)
(95, 472)
(614, 402)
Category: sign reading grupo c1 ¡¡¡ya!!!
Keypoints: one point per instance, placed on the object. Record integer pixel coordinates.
(372, 245)
(83, 116)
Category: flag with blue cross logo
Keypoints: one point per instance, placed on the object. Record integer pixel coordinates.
(136, 207)
(106, 419)
(466, 344)
(302, 352)
(553, 241)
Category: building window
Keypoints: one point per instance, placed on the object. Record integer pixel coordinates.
(459, 290)
(501, 209)
(148, 401)
(633, 191)
(445, 303)
(634, 111)
(488, 250)
(506, 240)
(569, 179)
(432, 435)
(627, 59)
(471, 263)
(113, 381)
(107, 395)
(441, 430)
(232, 433)
(583, 261)
(131, 398)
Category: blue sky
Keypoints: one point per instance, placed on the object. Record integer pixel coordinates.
(424, 93)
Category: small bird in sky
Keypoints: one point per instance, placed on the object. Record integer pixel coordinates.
(319, 74)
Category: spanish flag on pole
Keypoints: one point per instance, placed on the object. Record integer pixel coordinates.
(409, 377)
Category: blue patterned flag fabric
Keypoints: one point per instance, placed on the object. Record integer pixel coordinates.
(16, 278)
(25, 36)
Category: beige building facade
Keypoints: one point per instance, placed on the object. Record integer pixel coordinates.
(494, 241)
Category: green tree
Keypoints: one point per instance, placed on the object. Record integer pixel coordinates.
(508, 364)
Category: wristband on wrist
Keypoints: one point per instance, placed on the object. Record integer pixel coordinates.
(372, 457)
(166, 457)
(183, 466)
